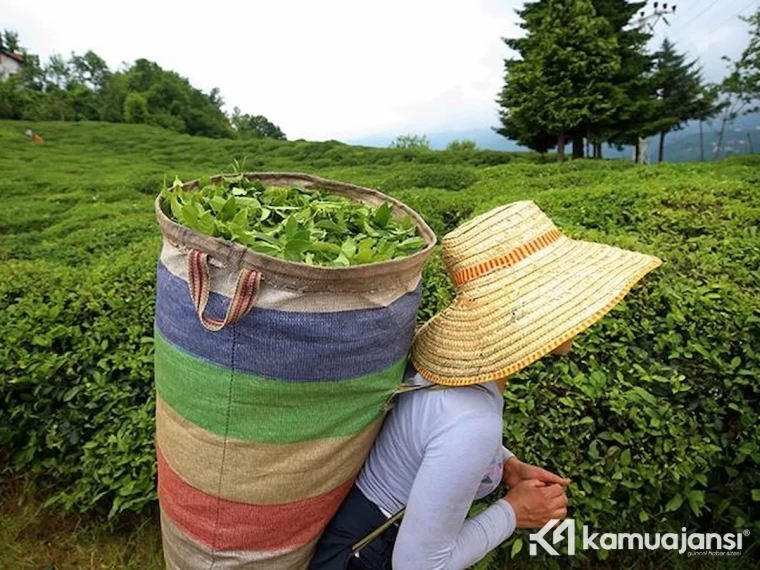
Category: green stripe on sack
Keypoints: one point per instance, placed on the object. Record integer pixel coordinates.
(264, 410)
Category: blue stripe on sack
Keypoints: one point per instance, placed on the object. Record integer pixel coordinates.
(287, 345)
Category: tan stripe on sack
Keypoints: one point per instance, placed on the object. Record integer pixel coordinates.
(223, 281)
(183, 553)
(259, 473)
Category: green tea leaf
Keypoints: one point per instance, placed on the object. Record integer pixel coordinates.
(383, 215)
(674, 504)
(295, 248)
(176, 207)
(516, 547)
(229, 210)
(241, 219)
(696, 500)
(207, 224)
(217, 203)
(349, 248)
(365, 253)
(341, 261)
(326, 247)
(291, 227)
(264, 247)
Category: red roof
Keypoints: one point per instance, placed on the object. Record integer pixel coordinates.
(17, 56)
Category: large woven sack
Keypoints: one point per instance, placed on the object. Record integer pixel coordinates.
(272, 379)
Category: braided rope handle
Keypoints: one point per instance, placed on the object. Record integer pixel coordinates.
(199, 281)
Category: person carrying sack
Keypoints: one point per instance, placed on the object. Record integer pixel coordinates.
(524, 290)
(272, 380)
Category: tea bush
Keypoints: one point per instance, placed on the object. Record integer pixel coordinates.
(429, 176)
(654, 414)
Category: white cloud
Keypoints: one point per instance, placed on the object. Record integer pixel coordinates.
(320, 69)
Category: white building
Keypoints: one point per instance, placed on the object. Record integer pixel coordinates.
(10, 63)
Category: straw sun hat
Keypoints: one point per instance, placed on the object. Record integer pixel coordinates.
(523, 289)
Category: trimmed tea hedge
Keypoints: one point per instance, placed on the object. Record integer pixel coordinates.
(654, 414)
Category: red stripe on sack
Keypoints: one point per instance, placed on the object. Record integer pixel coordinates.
(205, 280)
(221, 524)
(242, 297)
(252, 291)
(197, 278)
(191, 276)
(510, 258)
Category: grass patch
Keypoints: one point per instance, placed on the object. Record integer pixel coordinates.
(33, 537)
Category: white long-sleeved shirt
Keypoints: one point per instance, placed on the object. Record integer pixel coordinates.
(437, 452)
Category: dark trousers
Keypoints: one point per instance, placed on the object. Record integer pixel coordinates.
(357, 517)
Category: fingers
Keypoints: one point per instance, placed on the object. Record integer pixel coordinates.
(533, 483)
(558, 507)
(552, 491)
(559, 513)
(549, 477)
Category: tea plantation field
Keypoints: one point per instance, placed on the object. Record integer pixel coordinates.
(654, 414)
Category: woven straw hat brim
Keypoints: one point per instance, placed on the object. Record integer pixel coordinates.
(505, 320)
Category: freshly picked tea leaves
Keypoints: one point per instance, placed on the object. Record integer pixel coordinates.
(305, 226)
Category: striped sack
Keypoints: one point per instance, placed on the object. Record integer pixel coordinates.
(272, 378)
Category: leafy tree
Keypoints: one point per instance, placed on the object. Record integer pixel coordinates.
(679, 90)
(174, 103)
(707, 106)
(464, 144)
(31, 73)
(11, 99)
(89, 69)
(748, 64)
(255, 126)
(83, 87)
(57, 71)
(215, 97)
(410, 141)
(112, 98)
(740, 89)
(561, 84)
(135, 109)
(83, 103)
(10, 41)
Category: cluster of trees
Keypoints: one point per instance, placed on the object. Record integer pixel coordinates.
(410, 141)
(584, 74)
(422, 141)
(82, 87)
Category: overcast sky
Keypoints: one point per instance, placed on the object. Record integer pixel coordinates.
(340, 69)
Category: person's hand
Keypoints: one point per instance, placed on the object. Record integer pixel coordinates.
(516, 471)
(536, 503)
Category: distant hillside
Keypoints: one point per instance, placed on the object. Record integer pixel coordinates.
(742, 137)
(485, 138)
(680, 146)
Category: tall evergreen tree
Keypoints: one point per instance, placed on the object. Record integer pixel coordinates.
(561, 84)
(635, 104)
(629, 91)
(679, 91)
